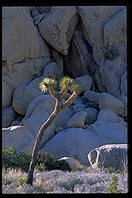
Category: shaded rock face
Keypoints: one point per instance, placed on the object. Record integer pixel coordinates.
(124, 83)
(79, 60)
(43, 9)
(8, 115)
(107, 115)
(54, 41)
(52, 70)
(92, 96)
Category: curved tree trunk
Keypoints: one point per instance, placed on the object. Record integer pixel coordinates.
(58, 107)
(38, 140)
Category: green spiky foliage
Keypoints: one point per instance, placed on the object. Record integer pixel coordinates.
(48, 83)
(69, 83)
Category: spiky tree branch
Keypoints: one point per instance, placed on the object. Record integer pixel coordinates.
(54, 93)
(63, 92)
(69, 101)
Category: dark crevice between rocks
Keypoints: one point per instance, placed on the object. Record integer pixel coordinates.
(79, 60)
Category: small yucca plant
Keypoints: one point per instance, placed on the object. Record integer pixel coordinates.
(112, 188)
(21, 180)
(111, 52)
(49, 84)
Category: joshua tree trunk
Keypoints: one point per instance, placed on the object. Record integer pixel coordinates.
(58, 106)
(38, 140)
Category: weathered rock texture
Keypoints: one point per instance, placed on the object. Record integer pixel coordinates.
(43, 9)
(110, 72)
(77, 143)
(52, 70)
(115, 29)
(94, 18)
(107, 115)
(24, 94)
(20, 36)
(77, 120)
(107, 101)
(111, 155)
(73, 142)
(23, 50)
(109, 77)
(57, 28)
(19, 137)
(109, 132)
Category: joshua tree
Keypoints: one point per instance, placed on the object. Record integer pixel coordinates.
(49, 84)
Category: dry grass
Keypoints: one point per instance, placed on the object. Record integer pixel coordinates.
(57, 181)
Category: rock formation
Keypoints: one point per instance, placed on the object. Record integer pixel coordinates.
(87, 43)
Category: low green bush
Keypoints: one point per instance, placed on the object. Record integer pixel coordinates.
(47, 161)
(9, 157)
(111, 170)
(114, 170)
(12, 159)
(23, 160)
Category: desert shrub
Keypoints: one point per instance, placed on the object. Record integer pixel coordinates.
(21, 180)
(112, 188)
(9, 157)
(111, 170)
(12, 159)
(57, 181)
(49, 162)
(40, 166)
(23, 161)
